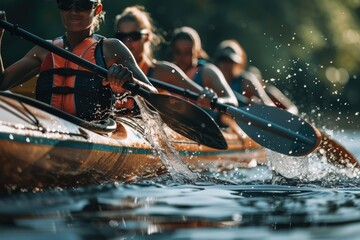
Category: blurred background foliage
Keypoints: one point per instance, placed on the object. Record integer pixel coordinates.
(309, 48)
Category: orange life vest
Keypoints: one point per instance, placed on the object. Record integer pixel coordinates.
(71, 88)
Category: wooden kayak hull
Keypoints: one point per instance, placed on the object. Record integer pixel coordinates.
(40, 150)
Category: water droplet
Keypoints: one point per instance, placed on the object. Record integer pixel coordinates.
(237, 217)
(113, 223)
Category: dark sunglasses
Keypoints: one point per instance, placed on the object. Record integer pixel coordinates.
(80, 5)
(134, 36)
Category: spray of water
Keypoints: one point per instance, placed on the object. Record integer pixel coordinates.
(155, 134)
(308, 168)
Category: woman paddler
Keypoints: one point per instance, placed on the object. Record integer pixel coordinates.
(64, 84)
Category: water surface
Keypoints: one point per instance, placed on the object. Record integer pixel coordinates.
(292, 198)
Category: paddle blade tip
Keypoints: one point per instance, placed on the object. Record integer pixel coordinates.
(317, 140)
(336, 153)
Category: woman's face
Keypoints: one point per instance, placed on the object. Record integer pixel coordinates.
(130, 30)
(183, 53)
(75, 20)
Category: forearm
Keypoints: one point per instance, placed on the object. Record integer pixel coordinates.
(145, 86)
(2, 69)
(141, 79)
(2, 74)
(190, 85)
(3, 84)
(19, 72)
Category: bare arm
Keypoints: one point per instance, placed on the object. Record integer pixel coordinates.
(2, 69)
(281, 100)
(214, 79)
(172, 74)
(117, 52)
(253, 87)
(23, 70)
(2, 16)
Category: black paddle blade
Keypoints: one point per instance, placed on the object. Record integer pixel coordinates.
(277, 129)
(188, 120)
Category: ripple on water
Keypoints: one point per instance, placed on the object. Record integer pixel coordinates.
(262, 203)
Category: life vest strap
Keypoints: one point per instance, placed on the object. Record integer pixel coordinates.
(63, 90)
(67, 72)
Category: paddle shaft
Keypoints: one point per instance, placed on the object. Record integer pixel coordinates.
(14, 29)
(246, 115)
(259, 127)
(206, 131)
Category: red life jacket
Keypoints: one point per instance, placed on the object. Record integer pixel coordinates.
(71, 88)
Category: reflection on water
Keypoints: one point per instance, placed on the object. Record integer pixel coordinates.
(183, 211)
(259, 203)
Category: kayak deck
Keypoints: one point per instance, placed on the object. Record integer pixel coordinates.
(40, 150)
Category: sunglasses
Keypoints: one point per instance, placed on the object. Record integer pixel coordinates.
(134, 36)
(80, 5)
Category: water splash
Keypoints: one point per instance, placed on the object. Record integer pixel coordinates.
(155, 134)
(312, 167)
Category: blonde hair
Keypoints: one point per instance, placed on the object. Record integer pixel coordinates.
(190, 34)
(139, 15)
(98, 19)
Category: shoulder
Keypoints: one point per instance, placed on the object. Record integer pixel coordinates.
(168, 71)
(165, 65)
(250, 76)
(38, 52)
(113, 43)
(211, 68)
(116, 50)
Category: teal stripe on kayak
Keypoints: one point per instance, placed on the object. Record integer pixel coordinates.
(222, 153)
(72, 144)
(104, 147)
